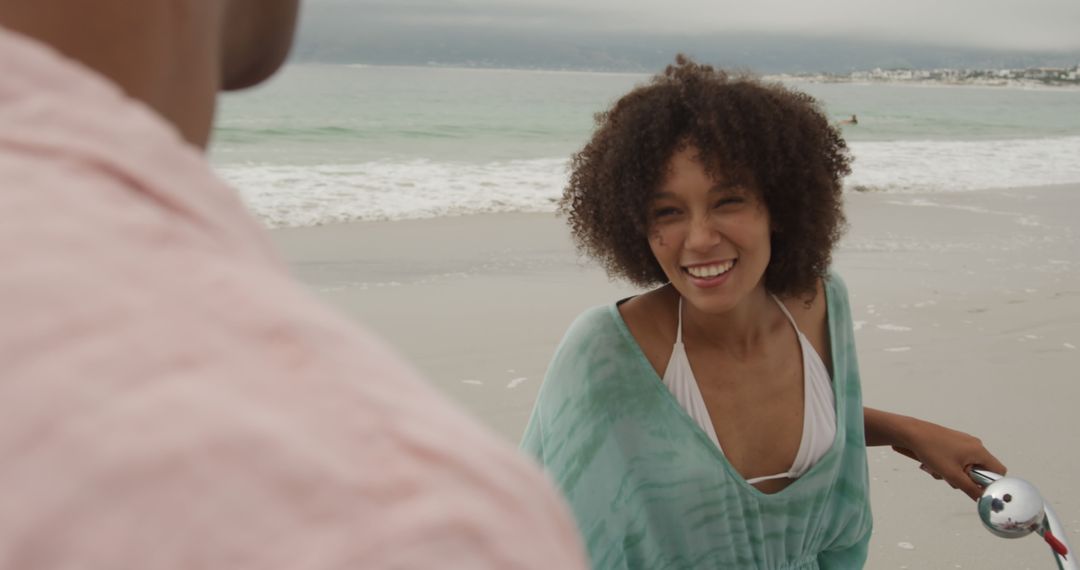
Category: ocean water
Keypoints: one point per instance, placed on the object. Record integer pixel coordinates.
(322, 144)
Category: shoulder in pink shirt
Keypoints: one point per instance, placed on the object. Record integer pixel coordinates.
(170, 398)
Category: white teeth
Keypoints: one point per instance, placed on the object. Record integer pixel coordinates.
(710, 271)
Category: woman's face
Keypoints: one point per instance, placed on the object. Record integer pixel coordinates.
(710, 237)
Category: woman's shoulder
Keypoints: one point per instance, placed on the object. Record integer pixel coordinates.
(829, 290)
(652, 314)
(835, 287)
(809, 310)
(621, 318)
(591, 322)
(813, 314)
(597, 346)
(594, 331)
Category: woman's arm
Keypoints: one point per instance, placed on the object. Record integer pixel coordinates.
(944, 453)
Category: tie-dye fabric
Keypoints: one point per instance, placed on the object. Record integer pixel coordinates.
(651, 491)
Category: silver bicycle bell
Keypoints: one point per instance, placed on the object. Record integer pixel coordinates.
(1012, 508)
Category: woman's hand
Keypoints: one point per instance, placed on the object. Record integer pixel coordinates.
(942, 452)
(949, 454)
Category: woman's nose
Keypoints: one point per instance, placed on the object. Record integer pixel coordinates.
(703, 234)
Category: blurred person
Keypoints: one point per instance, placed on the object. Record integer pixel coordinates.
(169, 396)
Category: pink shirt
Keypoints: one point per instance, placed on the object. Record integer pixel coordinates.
(170, 398)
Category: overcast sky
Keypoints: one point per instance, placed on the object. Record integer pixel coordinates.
(995, 24)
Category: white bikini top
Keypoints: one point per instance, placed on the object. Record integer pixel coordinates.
(819, 414)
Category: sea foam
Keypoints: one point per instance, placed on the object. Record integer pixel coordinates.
(305, 195)
(950, 166)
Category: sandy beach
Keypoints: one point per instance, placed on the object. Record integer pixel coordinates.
(967, 309)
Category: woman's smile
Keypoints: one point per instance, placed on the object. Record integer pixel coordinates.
(711, 274)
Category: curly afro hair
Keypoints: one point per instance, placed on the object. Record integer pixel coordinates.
(777, 138)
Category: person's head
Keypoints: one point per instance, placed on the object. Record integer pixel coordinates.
(174, 55)
(701, 171)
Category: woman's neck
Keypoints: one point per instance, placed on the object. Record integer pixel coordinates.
(739, 331)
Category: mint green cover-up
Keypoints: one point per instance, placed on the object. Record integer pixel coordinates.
(650, 490)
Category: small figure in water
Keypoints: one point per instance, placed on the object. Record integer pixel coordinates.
(852, 121)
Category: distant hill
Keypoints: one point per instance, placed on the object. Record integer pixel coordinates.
(338, 33)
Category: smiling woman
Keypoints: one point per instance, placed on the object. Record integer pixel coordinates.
(716, 421)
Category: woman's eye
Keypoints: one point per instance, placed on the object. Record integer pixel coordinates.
(728, 201)
(665, 212)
